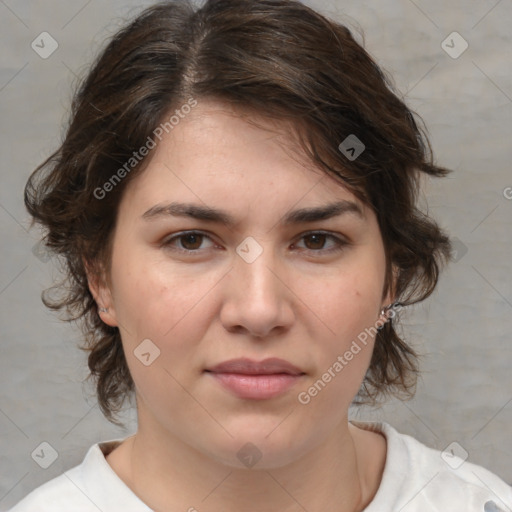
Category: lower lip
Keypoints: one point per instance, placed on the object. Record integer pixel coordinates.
(256, 387)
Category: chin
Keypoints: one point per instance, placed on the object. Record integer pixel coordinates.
(267, 443)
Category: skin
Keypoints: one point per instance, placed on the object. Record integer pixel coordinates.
(296, 301)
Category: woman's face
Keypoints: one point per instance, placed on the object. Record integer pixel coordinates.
(261, 288)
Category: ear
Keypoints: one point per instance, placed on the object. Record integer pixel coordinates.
(390, 297)
(101, 290)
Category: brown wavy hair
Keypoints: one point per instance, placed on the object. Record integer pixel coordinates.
(282, 60)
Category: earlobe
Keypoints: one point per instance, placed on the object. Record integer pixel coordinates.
(108, 316)
(389, 299)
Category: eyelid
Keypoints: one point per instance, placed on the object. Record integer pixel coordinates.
(341, 241)
(168, 240)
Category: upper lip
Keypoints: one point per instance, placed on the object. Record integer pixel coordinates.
(246, 366)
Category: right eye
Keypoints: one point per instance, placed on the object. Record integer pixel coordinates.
(191, 239)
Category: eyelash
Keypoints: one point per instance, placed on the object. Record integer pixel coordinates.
(340, 244)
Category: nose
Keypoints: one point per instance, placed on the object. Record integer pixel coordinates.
(257, 301)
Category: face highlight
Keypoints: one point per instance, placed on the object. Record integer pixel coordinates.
(229, 246)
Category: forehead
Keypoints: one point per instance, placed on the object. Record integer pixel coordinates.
(222, 157)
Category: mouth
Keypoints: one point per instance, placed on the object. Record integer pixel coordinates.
(254, 380)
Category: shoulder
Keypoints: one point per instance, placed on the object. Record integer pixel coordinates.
(91, 486)
(419, 478)
(58, 495)
(449, 478)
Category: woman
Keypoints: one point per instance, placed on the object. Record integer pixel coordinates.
(235, 200)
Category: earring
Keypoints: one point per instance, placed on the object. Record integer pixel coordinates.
(392, 306)
(103, 310)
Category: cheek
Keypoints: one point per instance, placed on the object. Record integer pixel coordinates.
(351, 302)
(349, 306)
(165, 308)
(156, 301)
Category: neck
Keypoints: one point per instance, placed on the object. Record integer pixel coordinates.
(334, 476)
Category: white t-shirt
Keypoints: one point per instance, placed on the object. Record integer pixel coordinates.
(416, 478)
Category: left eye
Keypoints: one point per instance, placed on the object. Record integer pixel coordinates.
(190, 241)
(319, 237)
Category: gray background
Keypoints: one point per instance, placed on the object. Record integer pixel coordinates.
(465, 394)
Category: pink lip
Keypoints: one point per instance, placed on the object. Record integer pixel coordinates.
(256, 380)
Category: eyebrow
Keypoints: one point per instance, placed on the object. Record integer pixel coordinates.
(206, 213)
